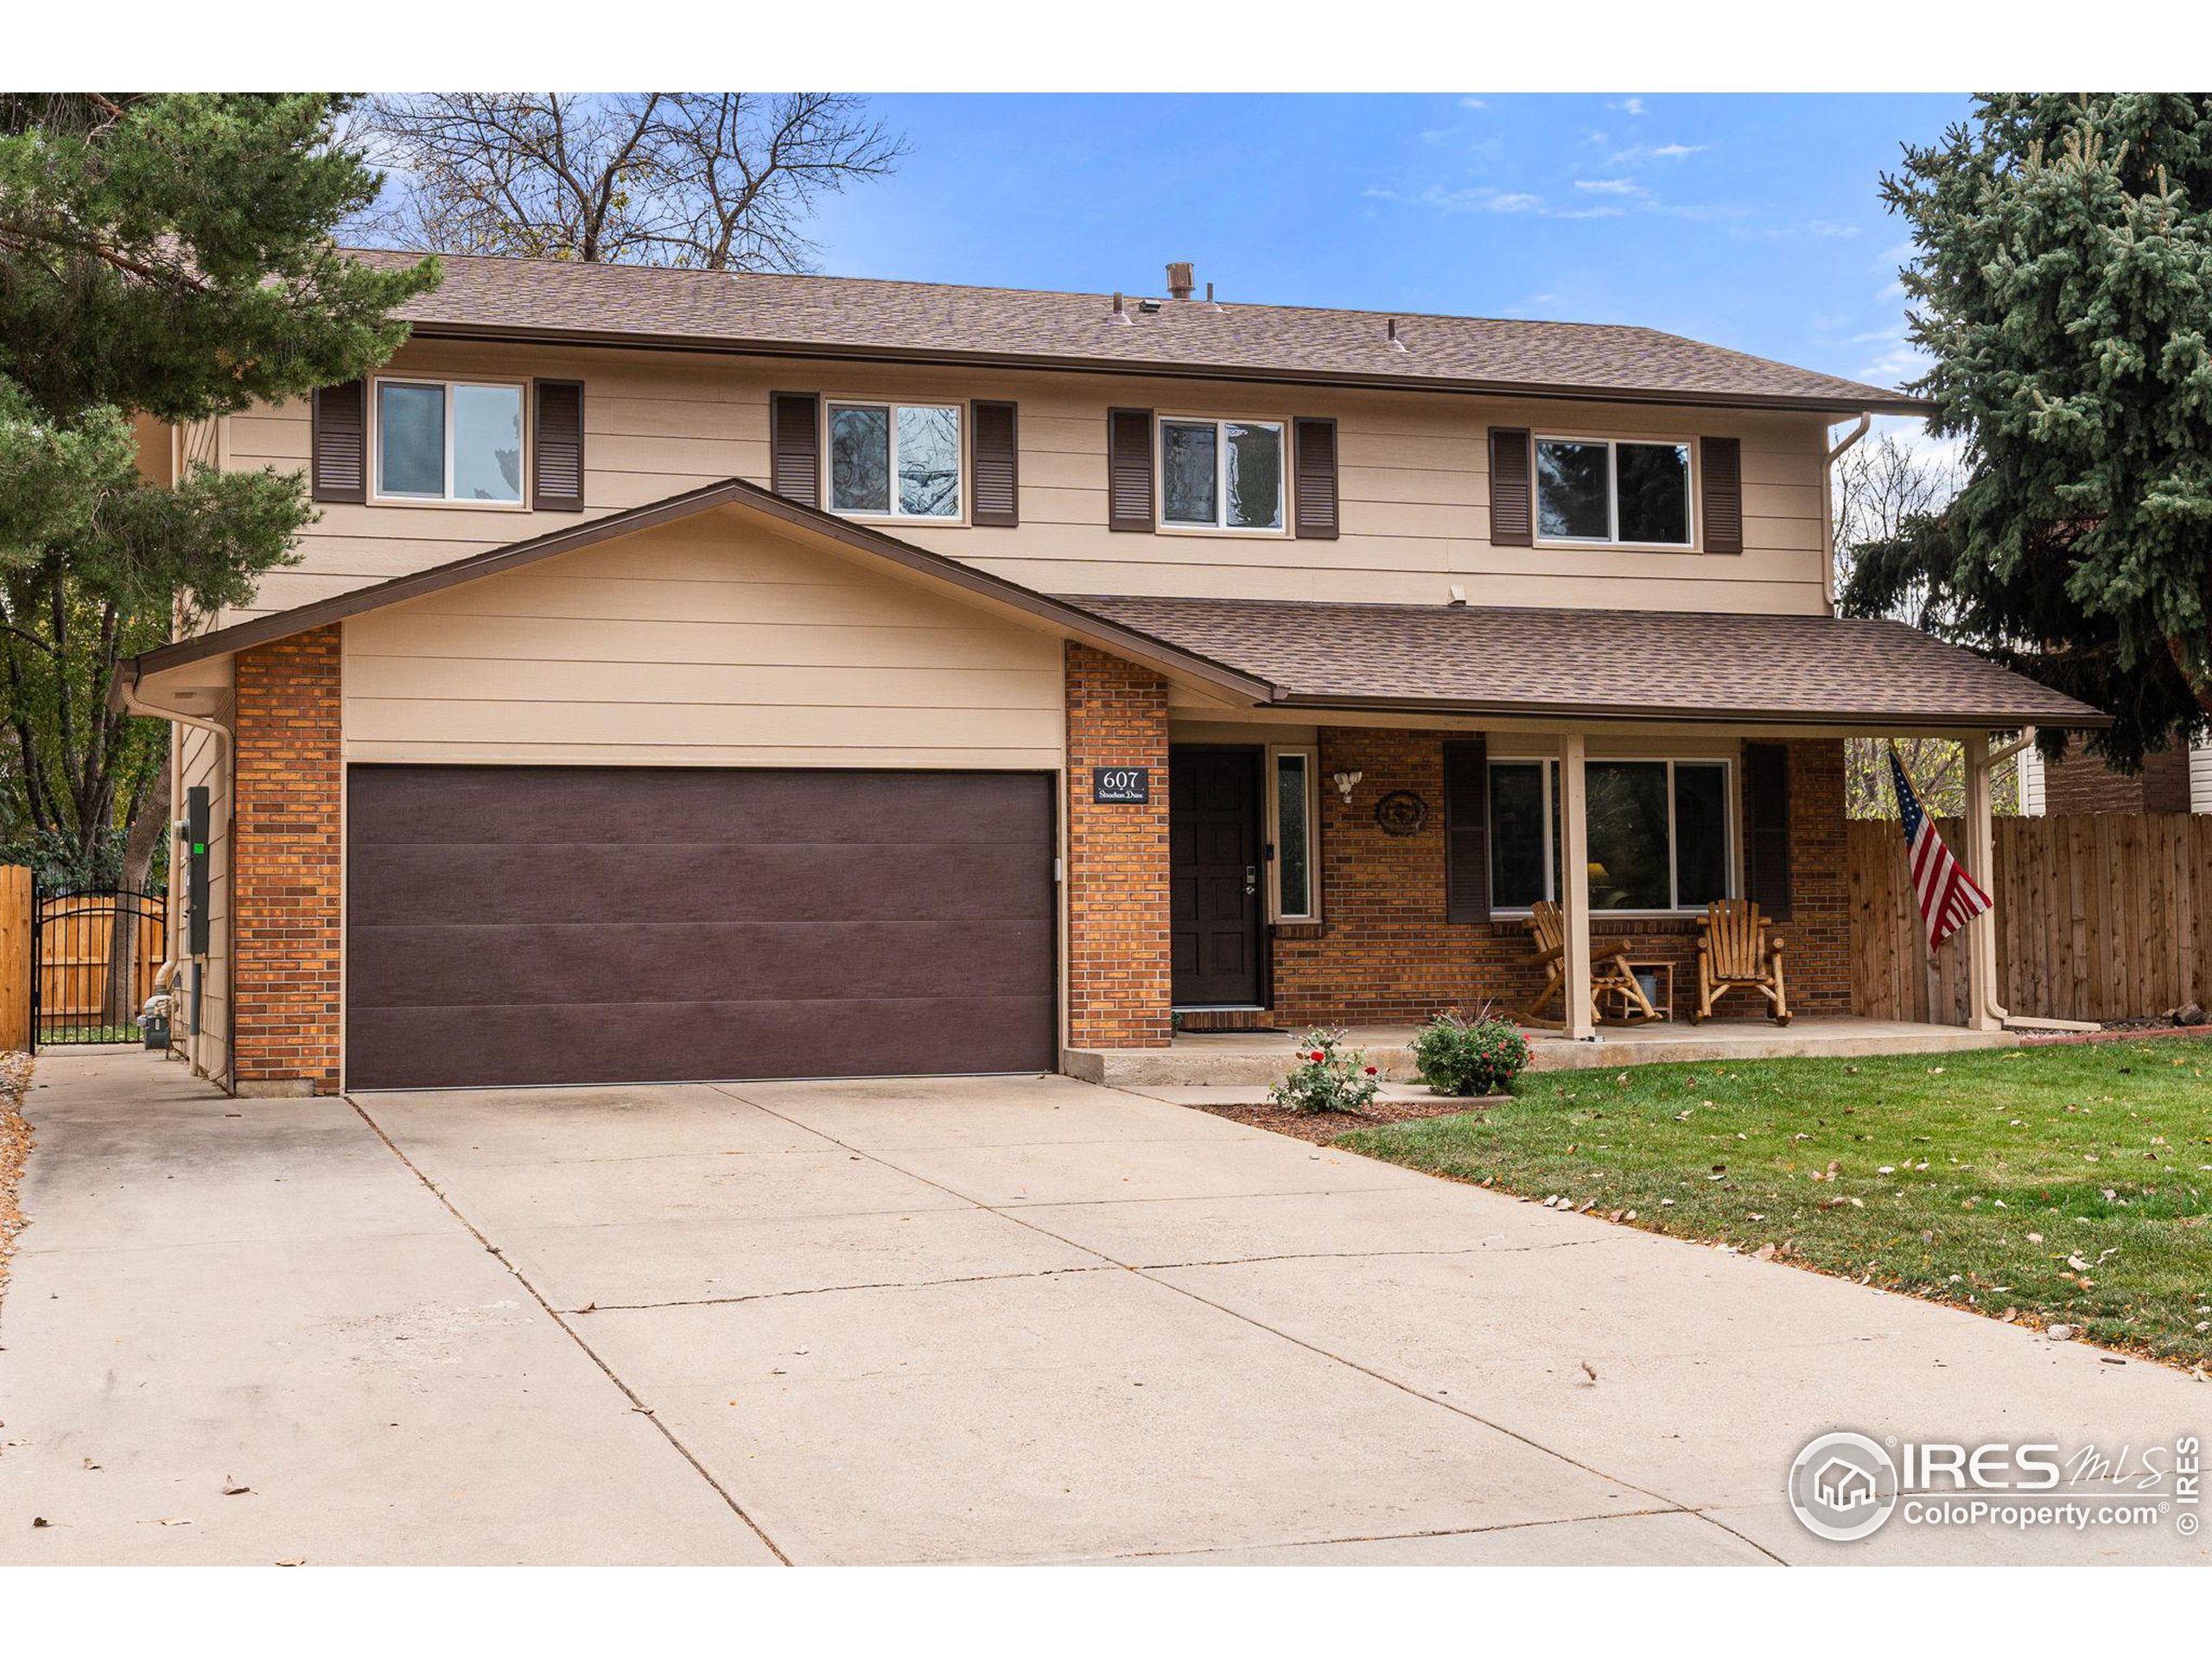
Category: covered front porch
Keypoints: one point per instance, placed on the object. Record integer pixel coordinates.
(1498, 813)
(1254, 1058)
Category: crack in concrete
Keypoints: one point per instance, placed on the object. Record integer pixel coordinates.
(637, 1402)
(831, 1290)
(1394, 1537)
(1012, 1214)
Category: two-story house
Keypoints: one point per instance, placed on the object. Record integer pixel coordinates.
(705, 676)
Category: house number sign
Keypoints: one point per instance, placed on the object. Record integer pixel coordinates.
(1120, 786)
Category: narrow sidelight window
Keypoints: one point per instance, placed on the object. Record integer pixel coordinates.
(1614, 491)
(1293, 836)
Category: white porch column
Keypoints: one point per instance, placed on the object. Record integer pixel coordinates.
(1575, 1021)
(1984, 1012)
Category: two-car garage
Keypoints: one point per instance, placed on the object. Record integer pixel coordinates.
(563, 925)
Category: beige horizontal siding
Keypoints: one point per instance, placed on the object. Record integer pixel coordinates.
(710, 641)
(1413, 482)
(201, 762)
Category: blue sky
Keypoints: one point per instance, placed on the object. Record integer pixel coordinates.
(1750, 221)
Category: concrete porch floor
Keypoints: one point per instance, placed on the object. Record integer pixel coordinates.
(1247, 1059)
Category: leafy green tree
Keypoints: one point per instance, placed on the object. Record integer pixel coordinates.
(2061, 284)
(162, 258)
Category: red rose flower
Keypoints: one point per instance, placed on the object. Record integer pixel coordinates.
(1318, 1057)
(1370, 1070)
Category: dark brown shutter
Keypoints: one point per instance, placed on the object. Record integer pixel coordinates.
(557, 474)
(1317, 479)
(1766, 827)
(997, 466)
(1466, 830)
(1511, 524)
(1722, 507)
(1128, 470)
(795, 446)
(338, 469)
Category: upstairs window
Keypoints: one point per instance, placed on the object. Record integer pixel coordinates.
(895, 460)
(449, 440)
(1221, 474)
(1612, 490)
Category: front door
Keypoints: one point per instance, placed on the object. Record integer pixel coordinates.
(1213, 819)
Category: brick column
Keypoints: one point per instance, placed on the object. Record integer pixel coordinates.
(288, 830)
(1121, 982)
(1818, 960)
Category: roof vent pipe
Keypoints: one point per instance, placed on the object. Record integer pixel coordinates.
(1179, 279)
(1395, 344)
(1120, 315)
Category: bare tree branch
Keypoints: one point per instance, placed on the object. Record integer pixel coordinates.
(710, 181)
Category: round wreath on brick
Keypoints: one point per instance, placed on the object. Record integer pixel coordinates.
(1402, 812)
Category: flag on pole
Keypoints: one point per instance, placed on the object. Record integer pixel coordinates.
(1949, 898)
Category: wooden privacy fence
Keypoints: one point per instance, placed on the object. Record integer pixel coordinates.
(14, 956)
(2100, 916)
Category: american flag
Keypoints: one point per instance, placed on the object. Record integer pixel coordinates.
(1948, 897)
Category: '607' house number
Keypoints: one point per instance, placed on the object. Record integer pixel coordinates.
(1120, 786)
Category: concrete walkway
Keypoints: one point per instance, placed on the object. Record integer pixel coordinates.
(962, 1319)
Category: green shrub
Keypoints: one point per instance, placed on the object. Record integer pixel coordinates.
(1463, 1056)
(1324, 1080)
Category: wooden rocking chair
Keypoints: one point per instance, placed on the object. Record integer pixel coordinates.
(1611, 978)
(1735, 951)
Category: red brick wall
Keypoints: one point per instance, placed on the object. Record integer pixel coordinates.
(1816, 964)
(288, 831)
(1120, 983)
(1384, 954)
(2082, 782)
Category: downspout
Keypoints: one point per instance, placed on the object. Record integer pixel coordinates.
(1827, 518)
(227, 758)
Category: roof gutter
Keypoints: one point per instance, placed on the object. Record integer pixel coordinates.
(1875, 720)
(1253, 375)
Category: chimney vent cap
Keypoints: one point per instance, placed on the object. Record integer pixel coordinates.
(1181, 279)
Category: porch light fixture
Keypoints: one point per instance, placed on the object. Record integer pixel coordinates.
(1346, 782)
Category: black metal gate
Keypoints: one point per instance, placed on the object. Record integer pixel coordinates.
(93, 956)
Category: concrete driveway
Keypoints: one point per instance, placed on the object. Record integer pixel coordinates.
(966, 1319)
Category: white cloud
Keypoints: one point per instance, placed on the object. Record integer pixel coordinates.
(1472, 103)
(1484, 198)
(1829, 227)
(1628, 106)
(1610, 187)
(1594, 136)
(1437, 135)
(1636, 153)
(1703, 211)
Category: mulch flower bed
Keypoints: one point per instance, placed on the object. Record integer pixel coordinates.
(14, 1147)
(1322, 1127)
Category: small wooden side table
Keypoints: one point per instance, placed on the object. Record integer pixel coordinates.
(1663, 975)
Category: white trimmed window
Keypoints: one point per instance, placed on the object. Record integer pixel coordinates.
(1613, 490)
(1662, 834)
(1221, 474)
(1292, 807)
(895, 460)
(449, 440)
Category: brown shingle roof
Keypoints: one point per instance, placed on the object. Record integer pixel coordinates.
(836, 316)
(1810, 670)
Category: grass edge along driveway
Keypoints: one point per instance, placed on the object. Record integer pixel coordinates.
(2069, 1185)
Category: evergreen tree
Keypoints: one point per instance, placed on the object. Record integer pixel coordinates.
(2062, 284)
(162, 258)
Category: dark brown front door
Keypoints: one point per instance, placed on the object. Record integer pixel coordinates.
(545, 924)
(1213, 824)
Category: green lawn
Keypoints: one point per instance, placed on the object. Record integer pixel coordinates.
(2071, 1183)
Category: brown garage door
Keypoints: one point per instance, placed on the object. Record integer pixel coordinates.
(541, 925)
